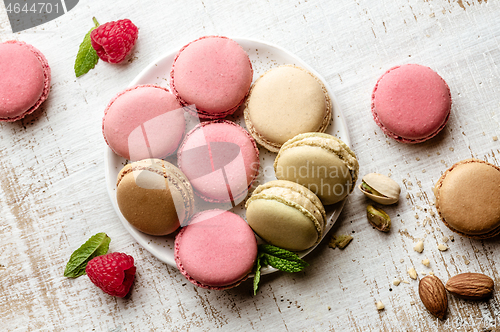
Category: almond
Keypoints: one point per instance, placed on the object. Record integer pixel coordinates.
(470, 286)
(433, 295)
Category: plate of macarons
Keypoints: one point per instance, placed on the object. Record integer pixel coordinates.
(221, 145)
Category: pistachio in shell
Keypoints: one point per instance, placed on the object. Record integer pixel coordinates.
(380, 188)
(378, 218)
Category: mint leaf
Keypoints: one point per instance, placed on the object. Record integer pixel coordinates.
(281, 259)
(256, 278)
(278, 258)
(97, 245)
(296, 265)
(87, 58)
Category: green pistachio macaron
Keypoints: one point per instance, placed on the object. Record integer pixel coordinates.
(154, 196)
(321, 162)
(286, 214)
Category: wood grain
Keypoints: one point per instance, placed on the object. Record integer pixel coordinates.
(53, 194)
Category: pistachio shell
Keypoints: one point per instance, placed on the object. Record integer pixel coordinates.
(389, 188)
(378, 218)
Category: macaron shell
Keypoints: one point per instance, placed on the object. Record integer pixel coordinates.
(281, 225)
(284, 102)
(154, 196)
(331, 184)
(144, 121)
(217, 250)
(468, 198)
(210, 180)
(411, 103)
(286, 214)
(24, 80)
(321, 162)
(214, 73)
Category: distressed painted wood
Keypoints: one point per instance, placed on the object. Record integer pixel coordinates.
(53, 194)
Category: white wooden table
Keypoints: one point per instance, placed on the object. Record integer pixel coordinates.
(53, 194)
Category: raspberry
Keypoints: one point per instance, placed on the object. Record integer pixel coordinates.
(114, 40)
(113, 273)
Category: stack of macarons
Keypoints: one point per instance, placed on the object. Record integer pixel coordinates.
(218, 160)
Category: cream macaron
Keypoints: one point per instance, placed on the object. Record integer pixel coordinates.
(286, 101)
(468, 198)
(321, 162)
(154, 196)
(286, 214)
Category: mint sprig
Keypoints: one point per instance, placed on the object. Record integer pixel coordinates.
(278, 258)
(87, 58)
(97, 245)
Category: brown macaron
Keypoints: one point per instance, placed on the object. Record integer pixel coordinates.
(154, 196)
(468, 198)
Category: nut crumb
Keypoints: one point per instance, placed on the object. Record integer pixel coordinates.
(452, 149)
(402, 260)
(452, 238)
(412, 302)
(329, 308)
(466, 261)
(431, 273)
(442, 247)
(495, 138)
(445, 239)
(423, 273)
(419, 247)
(405, 281)
(426, 262)
(380, 305)
(340, 241)
(416, 216)
(396, 282)
(412, 273)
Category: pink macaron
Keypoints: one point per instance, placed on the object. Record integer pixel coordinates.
(220, 159)
(144, 121)
(24, 80)
(214, 74)
(411, 103)
(217, 250)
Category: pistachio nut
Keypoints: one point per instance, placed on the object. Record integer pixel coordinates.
(380, 188)
(378, 218)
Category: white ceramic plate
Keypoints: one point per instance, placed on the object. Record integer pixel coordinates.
(263, 56)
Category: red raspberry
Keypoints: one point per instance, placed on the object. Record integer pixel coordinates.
(113, 273)
(114, 40)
